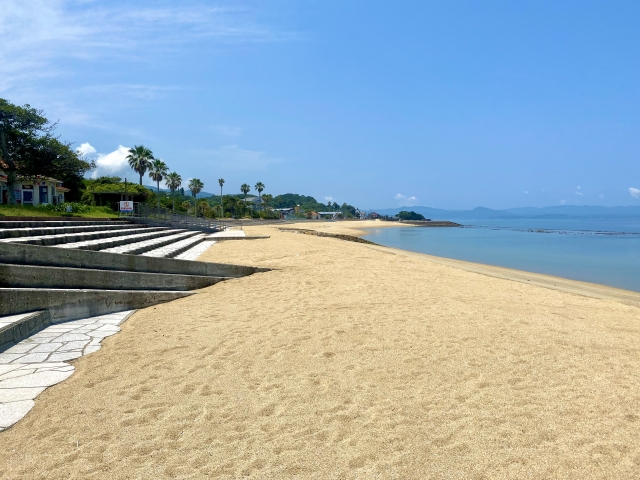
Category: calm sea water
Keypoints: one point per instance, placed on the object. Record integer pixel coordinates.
(598, 251)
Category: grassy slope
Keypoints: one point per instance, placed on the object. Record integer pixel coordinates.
(11, 211)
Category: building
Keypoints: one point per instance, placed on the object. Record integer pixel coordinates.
(374, 215)
(38, 190)
(285, 213)
(332, 215)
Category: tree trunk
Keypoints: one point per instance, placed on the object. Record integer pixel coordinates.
(11, 187)
(140, 179)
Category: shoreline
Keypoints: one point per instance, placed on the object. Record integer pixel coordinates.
(578, 287)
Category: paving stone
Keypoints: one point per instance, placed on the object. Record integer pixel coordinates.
(91, 348)
(48, 365)
(20, 348)
(11, 412)
(38, 379)
(62, 356)
(10, 357)
(46, 347)
(8, 367)
(70, 337)
(34, 357)
(18, 394)
(77, 345)
(16, 373)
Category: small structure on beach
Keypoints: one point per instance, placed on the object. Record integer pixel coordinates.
(38, 190)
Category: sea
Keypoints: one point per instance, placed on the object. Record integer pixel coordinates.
(604, 251)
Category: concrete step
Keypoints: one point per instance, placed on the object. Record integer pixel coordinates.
(24, 223)
(64, 238)
(114, 241)
(18, 254)
(174, 249)
(28, 276)
(71, 304)
(196, 251)
(146, 245)
(40, 231)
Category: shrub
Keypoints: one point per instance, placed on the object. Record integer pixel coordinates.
(75, 208)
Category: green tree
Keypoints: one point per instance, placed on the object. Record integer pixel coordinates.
(139, 159)
(221, 183)
(28, 148)
(260, 188)
(196, 186)
(245, 188)
(157, 171)
(173, 182)
(267, 198)
(404, 215)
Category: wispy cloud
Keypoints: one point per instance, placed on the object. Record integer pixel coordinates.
(635, 192)
(329, 199)
(226, 130)
(232, 157)
(37, 34)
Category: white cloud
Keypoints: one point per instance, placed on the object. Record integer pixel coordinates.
(601, 196)
(226, 130)
(635, 192)
(526, 192)
(329, 199)
(562, 202)
(233, 157)
(111, 164)
(405, 201)
(87, 150)
(578, 187)
(579, 193)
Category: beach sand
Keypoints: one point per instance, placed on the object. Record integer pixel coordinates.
(349, 361)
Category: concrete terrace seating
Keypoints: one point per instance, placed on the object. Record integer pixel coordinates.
(52, 272)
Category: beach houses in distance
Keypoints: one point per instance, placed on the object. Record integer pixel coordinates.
(34, 190)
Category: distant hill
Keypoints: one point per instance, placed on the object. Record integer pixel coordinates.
(560, 211)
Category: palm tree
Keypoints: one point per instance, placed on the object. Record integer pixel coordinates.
(244, 188)
(259, 187)
(196, 186)
(139, 158)
(267, 198)
(157, 171)
(221, 183)
(173, 181)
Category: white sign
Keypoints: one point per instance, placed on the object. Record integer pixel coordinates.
(126, 206)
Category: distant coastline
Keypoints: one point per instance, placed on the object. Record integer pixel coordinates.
(555, 212)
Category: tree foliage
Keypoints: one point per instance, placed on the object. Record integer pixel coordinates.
(28, 148)
(404, 215)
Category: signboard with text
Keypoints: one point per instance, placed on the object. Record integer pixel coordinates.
(126, 206)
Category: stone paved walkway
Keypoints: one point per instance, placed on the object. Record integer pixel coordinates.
(28, 368)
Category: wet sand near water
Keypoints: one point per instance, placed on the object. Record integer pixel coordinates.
(348, 361)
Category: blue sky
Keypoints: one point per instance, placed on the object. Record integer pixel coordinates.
(450, 104)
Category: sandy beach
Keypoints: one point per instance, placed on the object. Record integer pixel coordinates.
(350, 360)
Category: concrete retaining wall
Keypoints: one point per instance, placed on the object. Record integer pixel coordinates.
(56, 257)
(27, 276)
(23, 328)
(63, 305)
